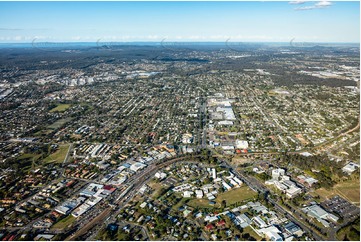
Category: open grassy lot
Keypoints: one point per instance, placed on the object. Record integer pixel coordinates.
(349, 190)
(57, 124)
(239, 160)
(243, 116)
(59, 155)
(236, 195)
(29, 156)
(157, 187)
(60, 108)
(324, 193)
(201, 203)
(252, 233)
(27, 161)
(65, 222)
(231, 197)
(43, 132)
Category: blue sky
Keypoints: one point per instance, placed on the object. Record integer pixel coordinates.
(320, 21)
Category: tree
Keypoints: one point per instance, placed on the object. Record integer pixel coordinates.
(224, 203)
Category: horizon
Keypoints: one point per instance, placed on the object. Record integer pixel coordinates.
(72, 22)
(174, 43)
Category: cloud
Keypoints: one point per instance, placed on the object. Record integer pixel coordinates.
(318, 5)
(17, 38)
(323, 4)
(297, 2)
(152, 37)
(305, 8)
(9, 29)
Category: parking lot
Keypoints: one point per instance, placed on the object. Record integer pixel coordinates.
(341, 207)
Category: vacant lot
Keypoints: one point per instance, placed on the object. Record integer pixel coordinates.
(65, 222)
(239, 160)
(59, 155)
(231, 197)
(201, 203)
(349, 190)
(157, 187)
(59, 123)
(251, 232)
(60, 108)
(236, 195)
(29, 156)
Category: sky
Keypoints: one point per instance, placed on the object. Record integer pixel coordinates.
(320, 21)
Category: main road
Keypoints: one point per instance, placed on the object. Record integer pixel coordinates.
(135, 183)
(255, 185)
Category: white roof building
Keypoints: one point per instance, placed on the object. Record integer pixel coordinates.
(225, 123)
(241, 144)
(227, 147)
(259, 222)
(350, 167)
(276, 173)
(188, 193)
(272, 233)
(160, 175)
(293, 191)
(199, 193)
(320, 214)
(137, 166)
(143, 205)
(243, 221)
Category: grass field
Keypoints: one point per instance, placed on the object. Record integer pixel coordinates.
(272, 93)
(349, 190)
(29, 156)
(65, 222)
(43, 132)
(201, 203)
(231, 197)
(156, 186)
(60, 108)
(252, 233)
(243, 116)
(238, 160)
(236, 195)
(57, 124)
(59, 155)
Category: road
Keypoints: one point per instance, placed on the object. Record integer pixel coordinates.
(135, 183)
(202, 130)
(338, 136)
(99, 219)
(255, 185)
(143, 177)
(66, 160)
